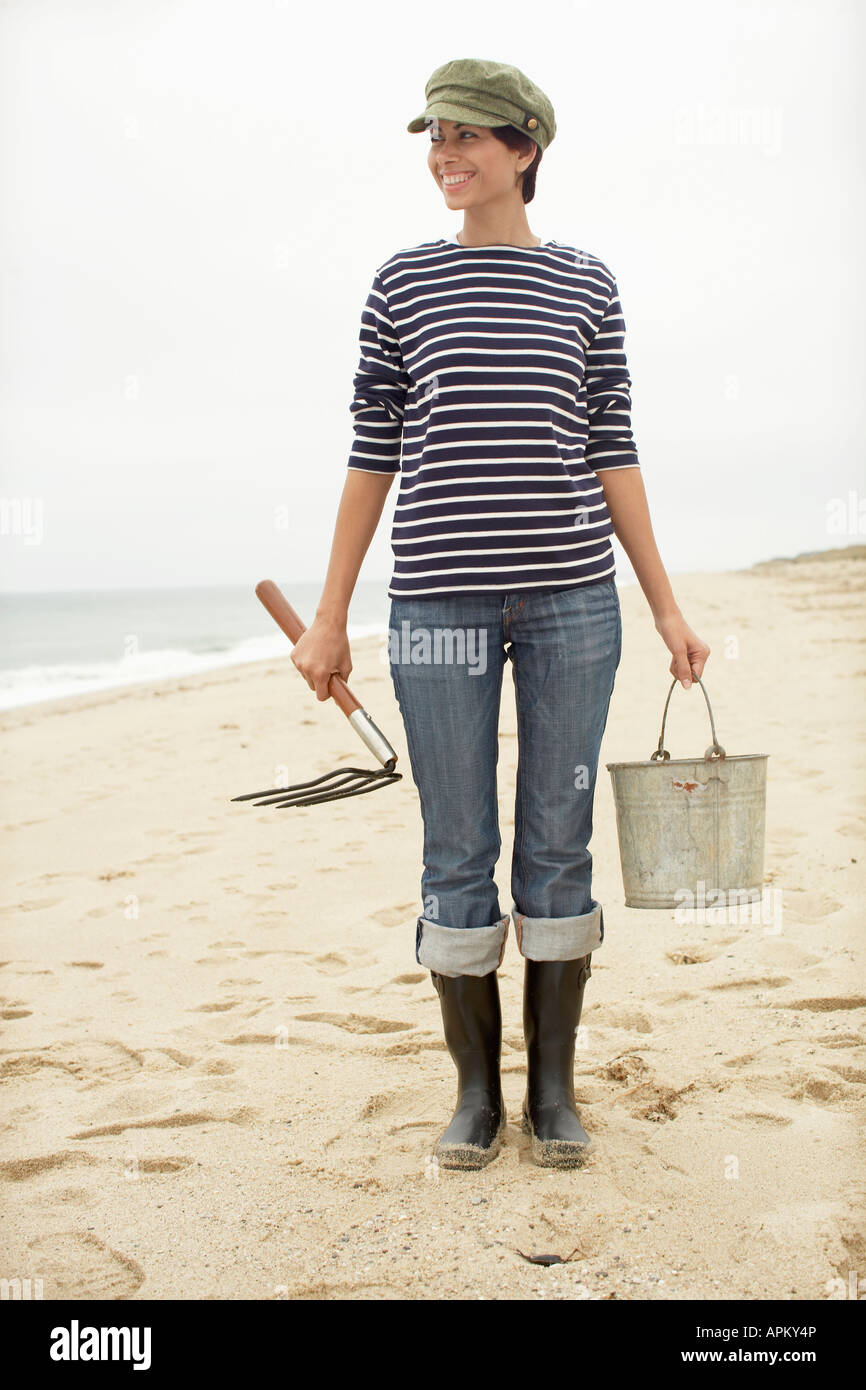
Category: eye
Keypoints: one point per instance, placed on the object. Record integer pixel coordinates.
(434, 139)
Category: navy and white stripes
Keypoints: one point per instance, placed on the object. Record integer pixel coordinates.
(494, 379)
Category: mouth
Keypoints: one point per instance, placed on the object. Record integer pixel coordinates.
(452, 181)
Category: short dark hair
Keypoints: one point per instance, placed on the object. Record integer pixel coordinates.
(517, 140)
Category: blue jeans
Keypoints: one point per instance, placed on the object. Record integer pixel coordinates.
(446, 656)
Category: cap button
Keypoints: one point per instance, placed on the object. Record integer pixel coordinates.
(532, 122)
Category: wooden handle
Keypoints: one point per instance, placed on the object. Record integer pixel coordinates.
(286, 618)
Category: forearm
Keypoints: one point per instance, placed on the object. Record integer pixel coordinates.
(357, 518)
(629, 511)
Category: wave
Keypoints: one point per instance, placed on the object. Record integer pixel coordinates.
(28, 685)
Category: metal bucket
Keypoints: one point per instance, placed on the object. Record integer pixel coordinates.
(691, 830)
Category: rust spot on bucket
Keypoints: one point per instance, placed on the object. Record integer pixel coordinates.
(684, 786)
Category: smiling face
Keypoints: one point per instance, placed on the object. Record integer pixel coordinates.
(470, 165)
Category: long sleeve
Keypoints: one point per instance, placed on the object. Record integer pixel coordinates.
(608, 386)
(380, 386)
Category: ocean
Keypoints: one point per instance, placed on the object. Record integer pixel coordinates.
(59, 644)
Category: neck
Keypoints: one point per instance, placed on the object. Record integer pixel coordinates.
(495, 227)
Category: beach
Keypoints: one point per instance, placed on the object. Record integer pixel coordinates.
(223, 1070)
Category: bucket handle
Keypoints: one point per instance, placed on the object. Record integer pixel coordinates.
(713, 753)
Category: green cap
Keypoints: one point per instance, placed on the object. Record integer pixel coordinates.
(484, 93)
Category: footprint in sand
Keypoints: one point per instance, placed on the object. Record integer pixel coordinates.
(828, 1004)
(630, 1020)
(393, 916)
(763, 1117)
(742, 1061)
(90, 1062)
(411, 978)
(356, 1023)
(162, 1165)
(848, 1252)
(23, 1169)
(787, 954)
(279, 1039)
(182, 1120)
(654, 1101)
(856, 1075)
(410, 1047)
(331, 964)
(628, 1067)
(809, 906)
(406, 1108)
(854, 1040)
(811, 1085)
(78, 1265)
(180, 1059)
(753, 982)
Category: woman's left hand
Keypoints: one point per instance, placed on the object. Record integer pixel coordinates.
(688, 652)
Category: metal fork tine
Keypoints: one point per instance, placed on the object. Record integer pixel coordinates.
(371, 784)
(360, 780)
(297, 786)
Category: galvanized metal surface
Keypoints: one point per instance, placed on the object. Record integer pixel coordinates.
(691, 826)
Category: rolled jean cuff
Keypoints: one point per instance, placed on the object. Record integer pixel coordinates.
(559, 938)
(454, 951)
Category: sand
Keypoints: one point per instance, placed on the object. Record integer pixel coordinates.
(223, 1071)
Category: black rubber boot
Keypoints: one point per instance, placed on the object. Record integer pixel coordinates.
(472, 1019)
(552, 1003)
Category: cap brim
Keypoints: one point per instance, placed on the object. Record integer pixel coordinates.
(448, 111)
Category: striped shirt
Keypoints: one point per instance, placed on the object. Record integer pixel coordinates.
(494, 379)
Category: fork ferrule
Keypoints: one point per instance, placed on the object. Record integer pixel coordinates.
(373, 737)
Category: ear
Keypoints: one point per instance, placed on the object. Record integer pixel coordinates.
(530, 158)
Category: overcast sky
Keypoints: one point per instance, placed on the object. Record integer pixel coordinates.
(196, 195)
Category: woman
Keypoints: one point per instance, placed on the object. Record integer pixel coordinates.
(493, 377)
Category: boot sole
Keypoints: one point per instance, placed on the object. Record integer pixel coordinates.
(555, 1153)
(469, 1157)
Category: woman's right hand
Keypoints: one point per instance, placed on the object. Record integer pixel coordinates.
(322, 649)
